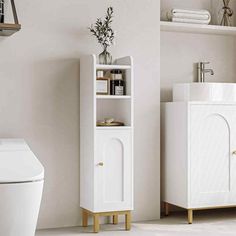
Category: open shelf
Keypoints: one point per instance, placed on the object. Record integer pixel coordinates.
(112, 67)
(113, 97)
(9, 29)
(118, 109)
(197, 28)
(113, 127)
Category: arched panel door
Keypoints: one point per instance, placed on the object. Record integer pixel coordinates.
(210, 155)
(113, 170)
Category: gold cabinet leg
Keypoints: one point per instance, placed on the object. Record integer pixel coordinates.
(167, 208)
(190, 216)
(96, 225)
(109, 219)
(84, 218)
(115, 219)
(128, 220)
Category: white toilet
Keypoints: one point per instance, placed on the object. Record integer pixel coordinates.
(21, 186)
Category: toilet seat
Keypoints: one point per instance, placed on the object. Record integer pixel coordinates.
(18, 164)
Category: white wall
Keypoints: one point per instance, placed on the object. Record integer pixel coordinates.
(39, 94)
(181, 51)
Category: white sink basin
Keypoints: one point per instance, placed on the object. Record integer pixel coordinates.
(215, 92)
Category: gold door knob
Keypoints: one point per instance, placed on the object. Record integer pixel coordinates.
(101, 164)
(234, 152)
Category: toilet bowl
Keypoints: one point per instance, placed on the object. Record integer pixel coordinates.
(21, 186)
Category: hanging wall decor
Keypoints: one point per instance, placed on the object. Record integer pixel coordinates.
(227, 13)
(1, 11)
(7, 29)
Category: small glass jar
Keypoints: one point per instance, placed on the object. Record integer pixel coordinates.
(117, 84)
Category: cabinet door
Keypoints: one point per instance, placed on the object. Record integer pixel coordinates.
(211, 132)
(232, 127)
(113, 177)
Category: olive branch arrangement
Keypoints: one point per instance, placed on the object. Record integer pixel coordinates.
(102, 30)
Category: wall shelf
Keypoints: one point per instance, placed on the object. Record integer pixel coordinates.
(9, 29)
(198, 29)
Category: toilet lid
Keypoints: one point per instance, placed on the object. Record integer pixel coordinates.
(18, 163)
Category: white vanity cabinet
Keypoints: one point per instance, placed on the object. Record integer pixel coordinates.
(106, 152)
(199, 155)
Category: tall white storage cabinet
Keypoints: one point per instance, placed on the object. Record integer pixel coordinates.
(106, 153)
(199, 160)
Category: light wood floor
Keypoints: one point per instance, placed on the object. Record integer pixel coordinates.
(206, 223)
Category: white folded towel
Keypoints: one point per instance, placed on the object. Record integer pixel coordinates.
(191, 16)
(191, 11)
(190, 21)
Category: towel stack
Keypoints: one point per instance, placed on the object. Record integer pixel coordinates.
(191, 16)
